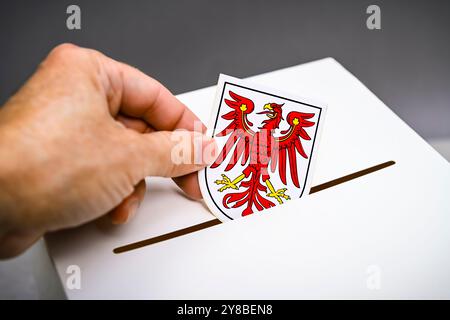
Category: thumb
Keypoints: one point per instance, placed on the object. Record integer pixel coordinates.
(175, 153)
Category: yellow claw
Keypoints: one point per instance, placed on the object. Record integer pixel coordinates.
(277, 194)
(227, 183)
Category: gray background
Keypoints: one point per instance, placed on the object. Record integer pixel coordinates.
(186, 44)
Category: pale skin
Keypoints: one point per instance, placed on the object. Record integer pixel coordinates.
(77, 141)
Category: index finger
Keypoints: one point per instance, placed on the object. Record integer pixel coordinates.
(137, 95)
(140, 96)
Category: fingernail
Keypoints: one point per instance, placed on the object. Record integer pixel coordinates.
(209, 149)
(132, 209)
(206, 141)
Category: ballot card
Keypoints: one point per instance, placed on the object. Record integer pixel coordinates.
(268, 141)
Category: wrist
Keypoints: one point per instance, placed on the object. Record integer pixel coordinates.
(10, 171)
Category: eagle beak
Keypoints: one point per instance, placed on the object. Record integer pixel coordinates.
(267, 107)
(270, 113)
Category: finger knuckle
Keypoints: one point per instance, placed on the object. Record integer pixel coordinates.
(62, 51)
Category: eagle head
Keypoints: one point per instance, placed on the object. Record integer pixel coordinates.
(275, 114)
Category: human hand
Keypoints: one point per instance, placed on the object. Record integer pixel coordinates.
(77, 140)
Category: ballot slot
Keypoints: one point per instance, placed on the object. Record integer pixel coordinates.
(214, 222)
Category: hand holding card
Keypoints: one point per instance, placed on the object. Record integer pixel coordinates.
(266, 141)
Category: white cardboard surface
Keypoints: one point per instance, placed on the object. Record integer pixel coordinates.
(394, 222)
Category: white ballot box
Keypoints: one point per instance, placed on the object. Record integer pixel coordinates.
(376, 224)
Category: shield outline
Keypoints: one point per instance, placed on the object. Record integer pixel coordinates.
(225, 81)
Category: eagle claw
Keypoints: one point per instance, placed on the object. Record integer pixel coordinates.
(227, 183)
(279, 194)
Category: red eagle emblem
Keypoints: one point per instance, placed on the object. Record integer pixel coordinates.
(257, 151)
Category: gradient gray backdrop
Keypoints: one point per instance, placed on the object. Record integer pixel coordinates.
(186, 44)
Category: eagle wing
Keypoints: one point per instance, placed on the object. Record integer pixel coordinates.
(288, 145)
(241, 134)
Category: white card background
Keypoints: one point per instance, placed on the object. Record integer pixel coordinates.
(260, 96)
